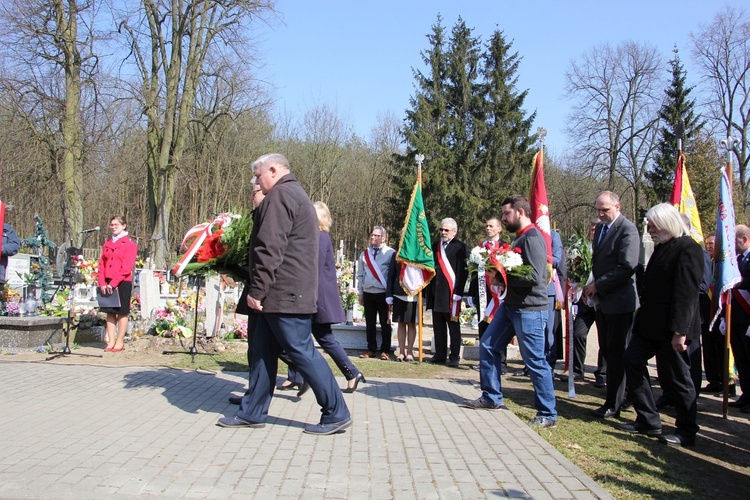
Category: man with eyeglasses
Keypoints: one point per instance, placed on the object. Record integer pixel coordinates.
(445, 292)
(372, 281)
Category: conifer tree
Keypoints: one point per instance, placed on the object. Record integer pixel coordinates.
(677, 115)
(466, 117)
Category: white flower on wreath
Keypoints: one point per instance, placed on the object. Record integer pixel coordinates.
(509, 260)
(478, 255)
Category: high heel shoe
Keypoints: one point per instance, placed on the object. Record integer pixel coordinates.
(357, 379)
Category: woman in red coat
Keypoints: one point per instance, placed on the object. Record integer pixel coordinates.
(116, 274)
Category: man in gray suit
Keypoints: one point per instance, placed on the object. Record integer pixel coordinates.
(615, 257)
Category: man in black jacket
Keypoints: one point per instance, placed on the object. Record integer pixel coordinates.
(446, 290)
(283, 288)
(667, 319)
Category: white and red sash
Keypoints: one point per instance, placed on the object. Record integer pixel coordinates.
(373, 266)
(494, 303)
(743, 299)
(450, 277)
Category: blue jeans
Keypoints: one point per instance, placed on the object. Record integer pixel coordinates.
(530, 328)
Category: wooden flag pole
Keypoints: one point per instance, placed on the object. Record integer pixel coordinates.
(419, 158)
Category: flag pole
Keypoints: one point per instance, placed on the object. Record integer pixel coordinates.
(729, 144)
(419, 158)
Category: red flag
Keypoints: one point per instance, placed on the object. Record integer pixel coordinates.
(538, 200)
(2, 222)
(677, 187)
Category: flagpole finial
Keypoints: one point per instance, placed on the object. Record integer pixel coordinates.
(729, 144)
(419, 159)
(542, 133)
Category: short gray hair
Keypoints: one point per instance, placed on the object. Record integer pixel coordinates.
(665, 217)
(270, 159)
(450, 222)
(382, 230)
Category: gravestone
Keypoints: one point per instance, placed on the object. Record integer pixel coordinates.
(214, 303)
(150, 293)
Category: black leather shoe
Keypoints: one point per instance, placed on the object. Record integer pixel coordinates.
(434, 360)
(326, 429)
(712, 388)
(636, 428)
(303, 389)
(740, 403)
(522, 373)
(290, 387)
(357, 379)
(677, 440)
(235, 400)
(599, 382)
(605, 412)
(663, 402)
(453, 363)
(238, 422)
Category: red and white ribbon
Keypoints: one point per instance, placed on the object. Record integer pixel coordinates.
(199, 234)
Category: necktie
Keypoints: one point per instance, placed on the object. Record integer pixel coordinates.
(445, 244)
(605, 228)
(375, 252)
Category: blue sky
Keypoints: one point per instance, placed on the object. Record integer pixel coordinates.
(357, 56)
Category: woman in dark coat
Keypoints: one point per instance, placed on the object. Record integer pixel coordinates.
(668, 319)
(330, 310)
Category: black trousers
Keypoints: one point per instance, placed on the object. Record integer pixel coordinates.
(613, 330)
(375, 306)
(442, 326)
(696, 374)
(581, 326)
(741, 351)
(676, 374)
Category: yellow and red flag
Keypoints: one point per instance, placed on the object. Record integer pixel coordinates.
(684, 200)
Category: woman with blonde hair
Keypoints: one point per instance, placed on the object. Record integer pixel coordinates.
(330, 310)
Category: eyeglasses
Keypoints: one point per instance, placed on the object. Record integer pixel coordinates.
(377, 235)
(444, 230)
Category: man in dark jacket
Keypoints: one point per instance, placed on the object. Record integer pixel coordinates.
(11, 244)
(283, 288)
(523, 313)
(667, 319)
(617, 248)
(446, 290)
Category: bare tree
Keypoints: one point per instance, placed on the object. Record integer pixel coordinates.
(170, 42)
(722, 52)
(616, 94)
(49, 63)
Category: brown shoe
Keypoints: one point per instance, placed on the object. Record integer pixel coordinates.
(384, 356)
(368, 354)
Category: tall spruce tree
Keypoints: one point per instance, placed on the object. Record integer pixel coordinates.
(677, 112)
(466, 118)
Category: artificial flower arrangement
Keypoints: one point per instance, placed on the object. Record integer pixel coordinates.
(345, 278)
(237, 329)
(88, 272)
(171, 320)
(504, 260)
(218, 246)
(9, 299)
(579, 258)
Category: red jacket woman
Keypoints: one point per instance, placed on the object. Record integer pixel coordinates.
(116, 274)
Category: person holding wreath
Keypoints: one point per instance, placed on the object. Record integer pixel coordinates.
(116, 276)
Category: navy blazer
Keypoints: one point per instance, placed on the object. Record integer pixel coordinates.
(330, 309)
(614, 262)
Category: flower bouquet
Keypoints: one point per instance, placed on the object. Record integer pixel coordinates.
(171, 321)
(579, 258)
(503, 260)
(219, 246)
